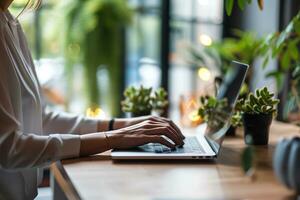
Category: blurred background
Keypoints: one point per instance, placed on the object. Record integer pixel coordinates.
(88, 52)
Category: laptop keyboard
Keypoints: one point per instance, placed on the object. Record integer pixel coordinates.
(191, 145)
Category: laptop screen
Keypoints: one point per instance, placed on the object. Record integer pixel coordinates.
(229, 90)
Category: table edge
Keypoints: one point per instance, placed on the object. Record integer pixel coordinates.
(64, 181)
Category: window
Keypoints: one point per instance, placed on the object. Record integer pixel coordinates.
(193, 23)
(143, 44)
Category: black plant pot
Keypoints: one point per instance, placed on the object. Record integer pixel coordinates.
(257, 126)
(231, 131)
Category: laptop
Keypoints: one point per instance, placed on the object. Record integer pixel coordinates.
(206, 144)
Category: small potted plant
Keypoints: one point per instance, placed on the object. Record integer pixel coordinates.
(160, 101)
(258, 110)
(213, 111)
(141, 101)
(236, 121)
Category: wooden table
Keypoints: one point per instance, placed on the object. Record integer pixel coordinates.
(98, 177)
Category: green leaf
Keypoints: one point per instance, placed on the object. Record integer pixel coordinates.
(276, 50)
(284, 35)
(253, 100)
(261, 101)
(247, 159)
(256, 108)
(297, 27)
(265, 91)
(275, 101)
(285, 61)
(257, 93)
(279, 77)
(229, 6)
(293, 50)
(266, 60)
(296, 71)
(241, 4)
(264, 108)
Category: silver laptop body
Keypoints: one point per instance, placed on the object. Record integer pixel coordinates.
(205, 144)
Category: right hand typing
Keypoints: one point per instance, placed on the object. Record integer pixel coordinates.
(148, 131)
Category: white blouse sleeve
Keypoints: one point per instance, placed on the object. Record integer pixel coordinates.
(61, 122)
(28, 150)
(19, 150)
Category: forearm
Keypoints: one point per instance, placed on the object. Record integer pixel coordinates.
(93, 143)
(103, 125)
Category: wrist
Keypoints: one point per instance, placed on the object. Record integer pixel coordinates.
(112, 138)
(93, 143)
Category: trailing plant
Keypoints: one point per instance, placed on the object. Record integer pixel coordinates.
(284, 45)
(93, 38)
(219, 55)
(242, 47)
(262, 102)
(141, 101)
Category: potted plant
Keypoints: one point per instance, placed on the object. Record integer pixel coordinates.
(236, 121)
(141, 101)
(258, 110)
(213, 111)
(159, 101)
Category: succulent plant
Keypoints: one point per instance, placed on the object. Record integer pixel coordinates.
(137, 101)
(262, 102)
(160, 102)
(140, 101)
(236, 119)
(213, 111)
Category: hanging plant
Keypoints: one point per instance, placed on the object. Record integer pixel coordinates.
(93, 39)
(284, 46)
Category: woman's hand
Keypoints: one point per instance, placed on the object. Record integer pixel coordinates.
(125, 122)
(150, 130)
(134, 132)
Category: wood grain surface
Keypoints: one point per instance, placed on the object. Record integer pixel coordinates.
(98, 177)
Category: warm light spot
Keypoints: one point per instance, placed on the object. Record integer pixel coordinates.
(204, 74)
(189, 112)
(191, 104)
(205, 40)
(95, 113)
(194, 117)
